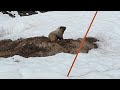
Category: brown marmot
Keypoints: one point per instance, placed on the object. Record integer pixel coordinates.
(57, 34)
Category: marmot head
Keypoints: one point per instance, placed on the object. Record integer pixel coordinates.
(63, 28)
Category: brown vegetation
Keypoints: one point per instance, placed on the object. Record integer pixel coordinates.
(41, 47)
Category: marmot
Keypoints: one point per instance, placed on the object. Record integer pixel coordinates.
(57, 34)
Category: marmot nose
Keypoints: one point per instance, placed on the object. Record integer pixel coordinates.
(65, 28)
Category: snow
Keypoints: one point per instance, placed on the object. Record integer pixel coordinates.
(4, 17)
(101, 63)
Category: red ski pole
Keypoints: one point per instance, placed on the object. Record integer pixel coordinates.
(82, 43)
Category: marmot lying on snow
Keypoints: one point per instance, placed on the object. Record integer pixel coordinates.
(57, 34)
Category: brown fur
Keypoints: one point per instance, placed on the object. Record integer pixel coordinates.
(57, 34)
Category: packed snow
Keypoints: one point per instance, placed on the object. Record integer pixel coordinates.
(101, 63)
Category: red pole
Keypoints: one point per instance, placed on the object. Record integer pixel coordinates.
(82, 43)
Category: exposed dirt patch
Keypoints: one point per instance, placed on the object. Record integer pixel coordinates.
(41, 47)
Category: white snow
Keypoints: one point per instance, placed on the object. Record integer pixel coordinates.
(101, 63)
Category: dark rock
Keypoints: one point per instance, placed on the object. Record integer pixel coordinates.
(22, 13)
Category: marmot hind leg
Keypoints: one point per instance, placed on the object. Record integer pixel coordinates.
(53, 38)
